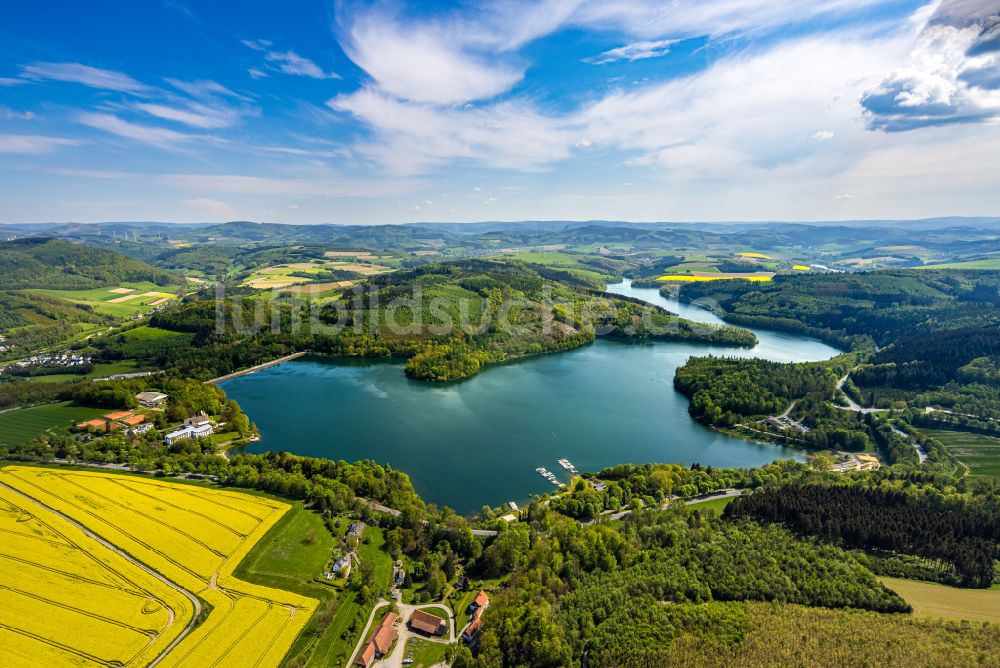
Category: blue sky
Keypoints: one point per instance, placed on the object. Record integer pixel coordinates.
(312, 111)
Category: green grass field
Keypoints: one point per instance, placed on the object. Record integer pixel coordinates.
(980, 453)
(24, 424)
(99, 371)
(100, 299)
(425, 653)
(371, 550)
(715, 504)
(930, 599)
(291, 556)
(989, 263)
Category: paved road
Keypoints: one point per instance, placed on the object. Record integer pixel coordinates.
(191, 597)
(852, 405)
(721, 494)
(364, 631)
(395, 660)
(921, 453)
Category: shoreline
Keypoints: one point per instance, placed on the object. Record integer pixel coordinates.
(258, 367)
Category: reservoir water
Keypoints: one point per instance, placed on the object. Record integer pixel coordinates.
(479, 441)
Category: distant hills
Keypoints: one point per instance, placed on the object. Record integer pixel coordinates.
(61, 265)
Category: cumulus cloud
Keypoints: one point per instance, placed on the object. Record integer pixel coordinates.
(953, 73)
(85, 75)
(634, 51)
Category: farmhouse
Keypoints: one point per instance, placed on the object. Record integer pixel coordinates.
(379, 642)
(472, 629)
(481, 602)
(427, 623)
(150, 399)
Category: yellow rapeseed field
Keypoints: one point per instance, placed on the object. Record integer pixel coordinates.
(195, 537)
(759, 256)
(68, 599)
(720, 277)
(800, 267)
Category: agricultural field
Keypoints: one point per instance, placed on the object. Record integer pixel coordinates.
(930, 599)
(989, 263)
(284, 275)
(195, 537)
(25, 424)
(121, 301)
(68, 599)
(707, 276)
(979, 452)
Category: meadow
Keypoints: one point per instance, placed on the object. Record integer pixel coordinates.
(120, 301)
(68, 599)
(979, 452)
(930, 599)
(25, 424)
(195, 537)
(424, 653)
(987, 263)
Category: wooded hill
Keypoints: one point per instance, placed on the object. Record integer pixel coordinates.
(59, 265)
(449, 321)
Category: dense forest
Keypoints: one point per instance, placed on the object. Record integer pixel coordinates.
(448, 320)
(59, 265)
(887, 518)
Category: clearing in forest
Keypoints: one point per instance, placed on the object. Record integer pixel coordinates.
(930, 599)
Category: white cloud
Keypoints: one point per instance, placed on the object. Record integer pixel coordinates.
(197, 115)
(427, 62)
(823, 135)
(844, 196)
(33, 144)
(12, 115)
(256, 74)
(217, 209)
(8, 81)
(411, 137)
(159, 137)
(290, 62)
(206, 89)
(634, 51)
(326, 186)
(257, 44)
(949, 78)
(85, 75)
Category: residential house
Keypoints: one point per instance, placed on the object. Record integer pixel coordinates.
(151, 399)
(472, 629)
(425, 622)
(481, 602)
(462, 582)
(356, 529)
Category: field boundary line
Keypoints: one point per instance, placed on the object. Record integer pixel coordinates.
(191, 597)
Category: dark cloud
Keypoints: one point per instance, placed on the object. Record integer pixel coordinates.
(956, 65)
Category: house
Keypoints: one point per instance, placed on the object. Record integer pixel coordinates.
(472, 629)
(400, 577)
(462, 582)
(142, 428)
(380, 641)
(425, 622)
(356, 529)
(197, 420)
(188, 432)
(775, 422)
(509, 518)
(512, 505)
(366, 656)
(481, 602)
(150, 399)
(600, 486)
(341, 563)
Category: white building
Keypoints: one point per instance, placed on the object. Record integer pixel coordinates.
(201, 431)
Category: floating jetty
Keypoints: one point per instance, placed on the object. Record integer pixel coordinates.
(567, 464)
(550, 476)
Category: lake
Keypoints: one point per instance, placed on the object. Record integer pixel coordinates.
(479, 441)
